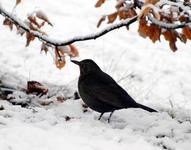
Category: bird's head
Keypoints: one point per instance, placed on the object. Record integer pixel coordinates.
(87, 66)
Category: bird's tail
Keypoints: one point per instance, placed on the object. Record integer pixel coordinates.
(146, 108)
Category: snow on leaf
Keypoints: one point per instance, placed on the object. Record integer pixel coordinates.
(41, 15)
(150, 8)
(144, 12)
(119, 4)
(20, 31)
(33, 20)
(64, 49)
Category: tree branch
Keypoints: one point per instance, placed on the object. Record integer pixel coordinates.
(93, 36)
(165, 25)
(55, 43)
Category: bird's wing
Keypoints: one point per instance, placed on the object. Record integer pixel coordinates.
(105, 89)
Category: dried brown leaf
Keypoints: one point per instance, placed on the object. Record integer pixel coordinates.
(20, 31)
(144, 12)
(30, 37)
(182, 18)
(59, 58)
(100, 21)
(42, 24)
(18, 2)
(99, 3)
(62, 50)
(45, 103)
(33, 27)
(60, 99)
(151, 1)
(33, 20)
(41, 15)
(187, 32)
(112, 17)
(119, 4)
(131, 13)
(73, 51)
(36, 88)
(154, 32)
(171, 36)
(143, 28)
(44, 47)
(148, 9)
(123, 14)
(182, 37)
(172, 45)
(9, 23)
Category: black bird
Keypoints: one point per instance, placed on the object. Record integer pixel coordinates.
(100, 92)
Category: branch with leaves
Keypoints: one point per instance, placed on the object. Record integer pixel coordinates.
(32, 29)
(156, 18)
(13, 20)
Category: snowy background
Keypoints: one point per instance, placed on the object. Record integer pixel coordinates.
(151, 73)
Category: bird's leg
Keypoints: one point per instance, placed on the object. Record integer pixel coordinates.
(100, 116)
(110, 116)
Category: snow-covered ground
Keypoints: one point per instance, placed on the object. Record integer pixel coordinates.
(151, 73)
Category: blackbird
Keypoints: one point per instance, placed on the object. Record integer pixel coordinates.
(100, 92)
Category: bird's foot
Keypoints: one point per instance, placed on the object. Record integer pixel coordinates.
(100, 116)
(108, 120)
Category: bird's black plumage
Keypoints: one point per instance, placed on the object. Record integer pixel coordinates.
(100, 92)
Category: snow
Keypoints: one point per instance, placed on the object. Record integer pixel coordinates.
(151, 73)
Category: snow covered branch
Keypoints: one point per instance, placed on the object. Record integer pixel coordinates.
(94, 36)
(152, 13)
(166, 25)
(56, 43)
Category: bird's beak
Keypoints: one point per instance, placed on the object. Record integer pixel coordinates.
(75, 62)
